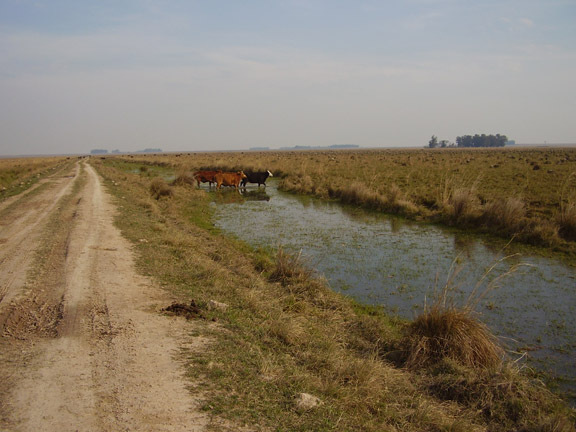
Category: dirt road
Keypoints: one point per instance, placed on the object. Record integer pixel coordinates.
(82, 345)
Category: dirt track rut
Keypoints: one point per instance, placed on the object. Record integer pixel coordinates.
(82, 346)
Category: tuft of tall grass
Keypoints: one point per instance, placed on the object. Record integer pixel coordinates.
(567, 221)
(393, 195)
(391, 201)
(454, 333)
(159, 188)
(184, 179)
(289, 268)
(508, 214)
(462, 205)
(359, 194)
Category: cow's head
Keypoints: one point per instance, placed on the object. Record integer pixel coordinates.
(242, 175)
(269, 173)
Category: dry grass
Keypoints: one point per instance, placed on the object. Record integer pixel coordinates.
(359, 194)
(159, 188)
(290, 268)
(448, 332)
(502, 395)
(294, 335)
(567, 221)
(184, 178)
(508, 214)
(17, 175)
(463, 205)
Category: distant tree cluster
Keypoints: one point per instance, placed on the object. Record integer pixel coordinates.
(470, 141)
(434, 143)
(103, 151)
(150, 150)
(481, 140)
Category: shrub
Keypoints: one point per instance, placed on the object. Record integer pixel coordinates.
(567, 221)
(299, 184)
(183, 179)
(463, 203)
(393, 195)
(159, 188)
(507, 214)
(448, 332)
(359, 194)
(289, 268)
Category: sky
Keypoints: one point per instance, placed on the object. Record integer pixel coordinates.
(195, 75)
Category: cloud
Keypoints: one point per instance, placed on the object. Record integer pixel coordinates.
(160, 81)
(517, 24)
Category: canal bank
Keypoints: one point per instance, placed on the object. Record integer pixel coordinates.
(398, 265)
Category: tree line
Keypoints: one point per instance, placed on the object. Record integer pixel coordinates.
(471, 141)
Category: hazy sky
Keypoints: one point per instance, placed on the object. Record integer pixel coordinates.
(186, 75)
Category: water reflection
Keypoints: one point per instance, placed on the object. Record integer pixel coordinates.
(255, 195)
(396, 224)
(230, 195)
(464, 244)
(398, 264)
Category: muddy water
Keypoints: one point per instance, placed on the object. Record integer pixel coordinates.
(530, 301)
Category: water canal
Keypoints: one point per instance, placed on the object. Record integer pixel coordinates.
(397, 264)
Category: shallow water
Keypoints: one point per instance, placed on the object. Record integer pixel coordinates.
(388, 261)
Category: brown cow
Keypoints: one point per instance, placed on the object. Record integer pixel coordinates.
(229, 179)
(205, 177)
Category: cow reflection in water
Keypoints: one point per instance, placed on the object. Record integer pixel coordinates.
(256, 195)
(230, 196)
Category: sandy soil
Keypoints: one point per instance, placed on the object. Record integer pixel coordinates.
(82, 345)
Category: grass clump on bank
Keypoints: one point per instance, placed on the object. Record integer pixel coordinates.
(451, 333)
(285, 332)
(159, 188)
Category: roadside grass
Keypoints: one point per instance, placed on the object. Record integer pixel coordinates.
(285, 333)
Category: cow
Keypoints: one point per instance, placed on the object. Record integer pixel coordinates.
(229, 179)
(256, 177)
(205, 177)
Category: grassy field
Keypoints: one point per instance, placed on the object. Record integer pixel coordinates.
(284, 333)
(528, 194)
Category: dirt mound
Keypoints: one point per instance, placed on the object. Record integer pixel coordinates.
(191, 311)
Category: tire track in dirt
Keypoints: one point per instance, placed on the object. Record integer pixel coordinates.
(23, 218)
(111, 365)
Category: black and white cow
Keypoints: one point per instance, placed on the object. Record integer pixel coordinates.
(256, 177)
